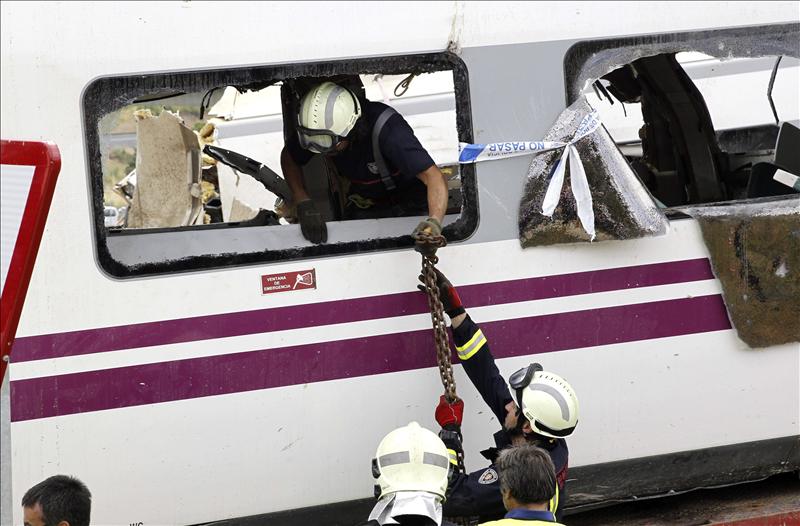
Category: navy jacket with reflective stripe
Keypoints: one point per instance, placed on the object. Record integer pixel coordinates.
(477, 494)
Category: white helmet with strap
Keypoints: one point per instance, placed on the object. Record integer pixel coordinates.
(411, 458)
(547, 401)
(327, 114)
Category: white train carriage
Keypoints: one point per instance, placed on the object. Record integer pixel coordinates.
(159, 365)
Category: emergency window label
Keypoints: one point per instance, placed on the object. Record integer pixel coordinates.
(288, 281)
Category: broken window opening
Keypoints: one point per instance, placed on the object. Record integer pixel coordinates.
(691, 111)
(701, 134)
(256, 125)
(704, 141)
(221, 123)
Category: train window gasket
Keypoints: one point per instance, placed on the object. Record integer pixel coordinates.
(107, 94)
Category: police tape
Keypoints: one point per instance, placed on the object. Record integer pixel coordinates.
(472, 153)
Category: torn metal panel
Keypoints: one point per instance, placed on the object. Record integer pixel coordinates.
(588, 61)
(623, 208)
(167, 192)
(755, 253)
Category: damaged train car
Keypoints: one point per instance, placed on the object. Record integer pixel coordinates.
(622, 210)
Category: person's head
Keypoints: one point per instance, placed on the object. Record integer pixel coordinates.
(527, 477)
(548, 404)
(57, 501)
(411, 458)
(328, 113)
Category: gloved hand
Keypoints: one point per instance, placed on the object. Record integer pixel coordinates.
(447, 293)
(451, 436)
(447, 413)
(311, 223)
(432, 227)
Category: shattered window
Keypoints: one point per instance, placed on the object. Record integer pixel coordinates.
(157, 138)
(153, 149)
(708, 120)
(699, 129)
(186, 166)
(156, 174)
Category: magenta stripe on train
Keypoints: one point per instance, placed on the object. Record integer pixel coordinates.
(350, 310)
(271, 368)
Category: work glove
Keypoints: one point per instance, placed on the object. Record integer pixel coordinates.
(311, 223)
(433, 228)
(448, 414)
(447, 294)
(451, 436)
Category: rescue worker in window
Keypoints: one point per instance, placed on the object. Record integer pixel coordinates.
(372, 146)
(527, 483)
(544, 414)
(411, 469)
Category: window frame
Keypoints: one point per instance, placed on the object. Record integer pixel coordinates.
(771, 39)
(107, 94)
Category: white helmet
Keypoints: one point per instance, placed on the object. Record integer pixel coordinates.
(327, 114)
(547, 401)
(411, 458)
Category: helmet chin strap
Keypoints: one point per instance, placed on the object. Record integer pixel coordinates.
(520, 417)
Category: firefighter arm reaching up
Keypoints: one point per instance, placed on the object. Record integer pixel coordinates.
(538, 416)
(473, 351)
(477, 493)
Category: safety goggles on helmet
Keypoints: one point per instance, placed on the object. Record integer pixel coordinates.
(304, 135)
(546, 400)
(522, 379)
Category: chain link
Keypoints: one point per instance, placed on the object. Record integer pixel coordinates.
(428, 245)
(439, 328)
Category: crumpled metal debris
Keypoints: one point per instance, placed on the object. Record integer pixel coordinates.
(755, 254)
(623, 208)
(168, 192)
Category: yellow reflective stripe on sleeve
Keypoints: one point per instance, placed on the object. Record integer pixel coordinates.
(451, 453)
(553, 505)
(474, 345)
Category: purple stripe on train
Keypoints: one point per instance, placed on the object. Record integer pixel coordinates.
(351, 310)
(265, 369)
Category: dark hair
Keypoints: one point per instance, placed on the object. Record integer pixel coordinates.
(62, 498)
(527, 472)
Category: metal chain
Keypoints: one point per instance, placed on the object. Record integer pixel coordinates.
(429, 261)
(439, 327)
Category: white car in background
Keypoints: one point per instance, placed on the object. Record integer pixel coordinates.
(113, 216)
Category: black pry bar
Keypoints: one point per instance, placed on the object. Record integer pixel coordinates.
(262, 173)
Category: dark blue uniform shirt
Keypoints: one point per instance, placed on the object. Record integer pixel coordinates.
(404, 155)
